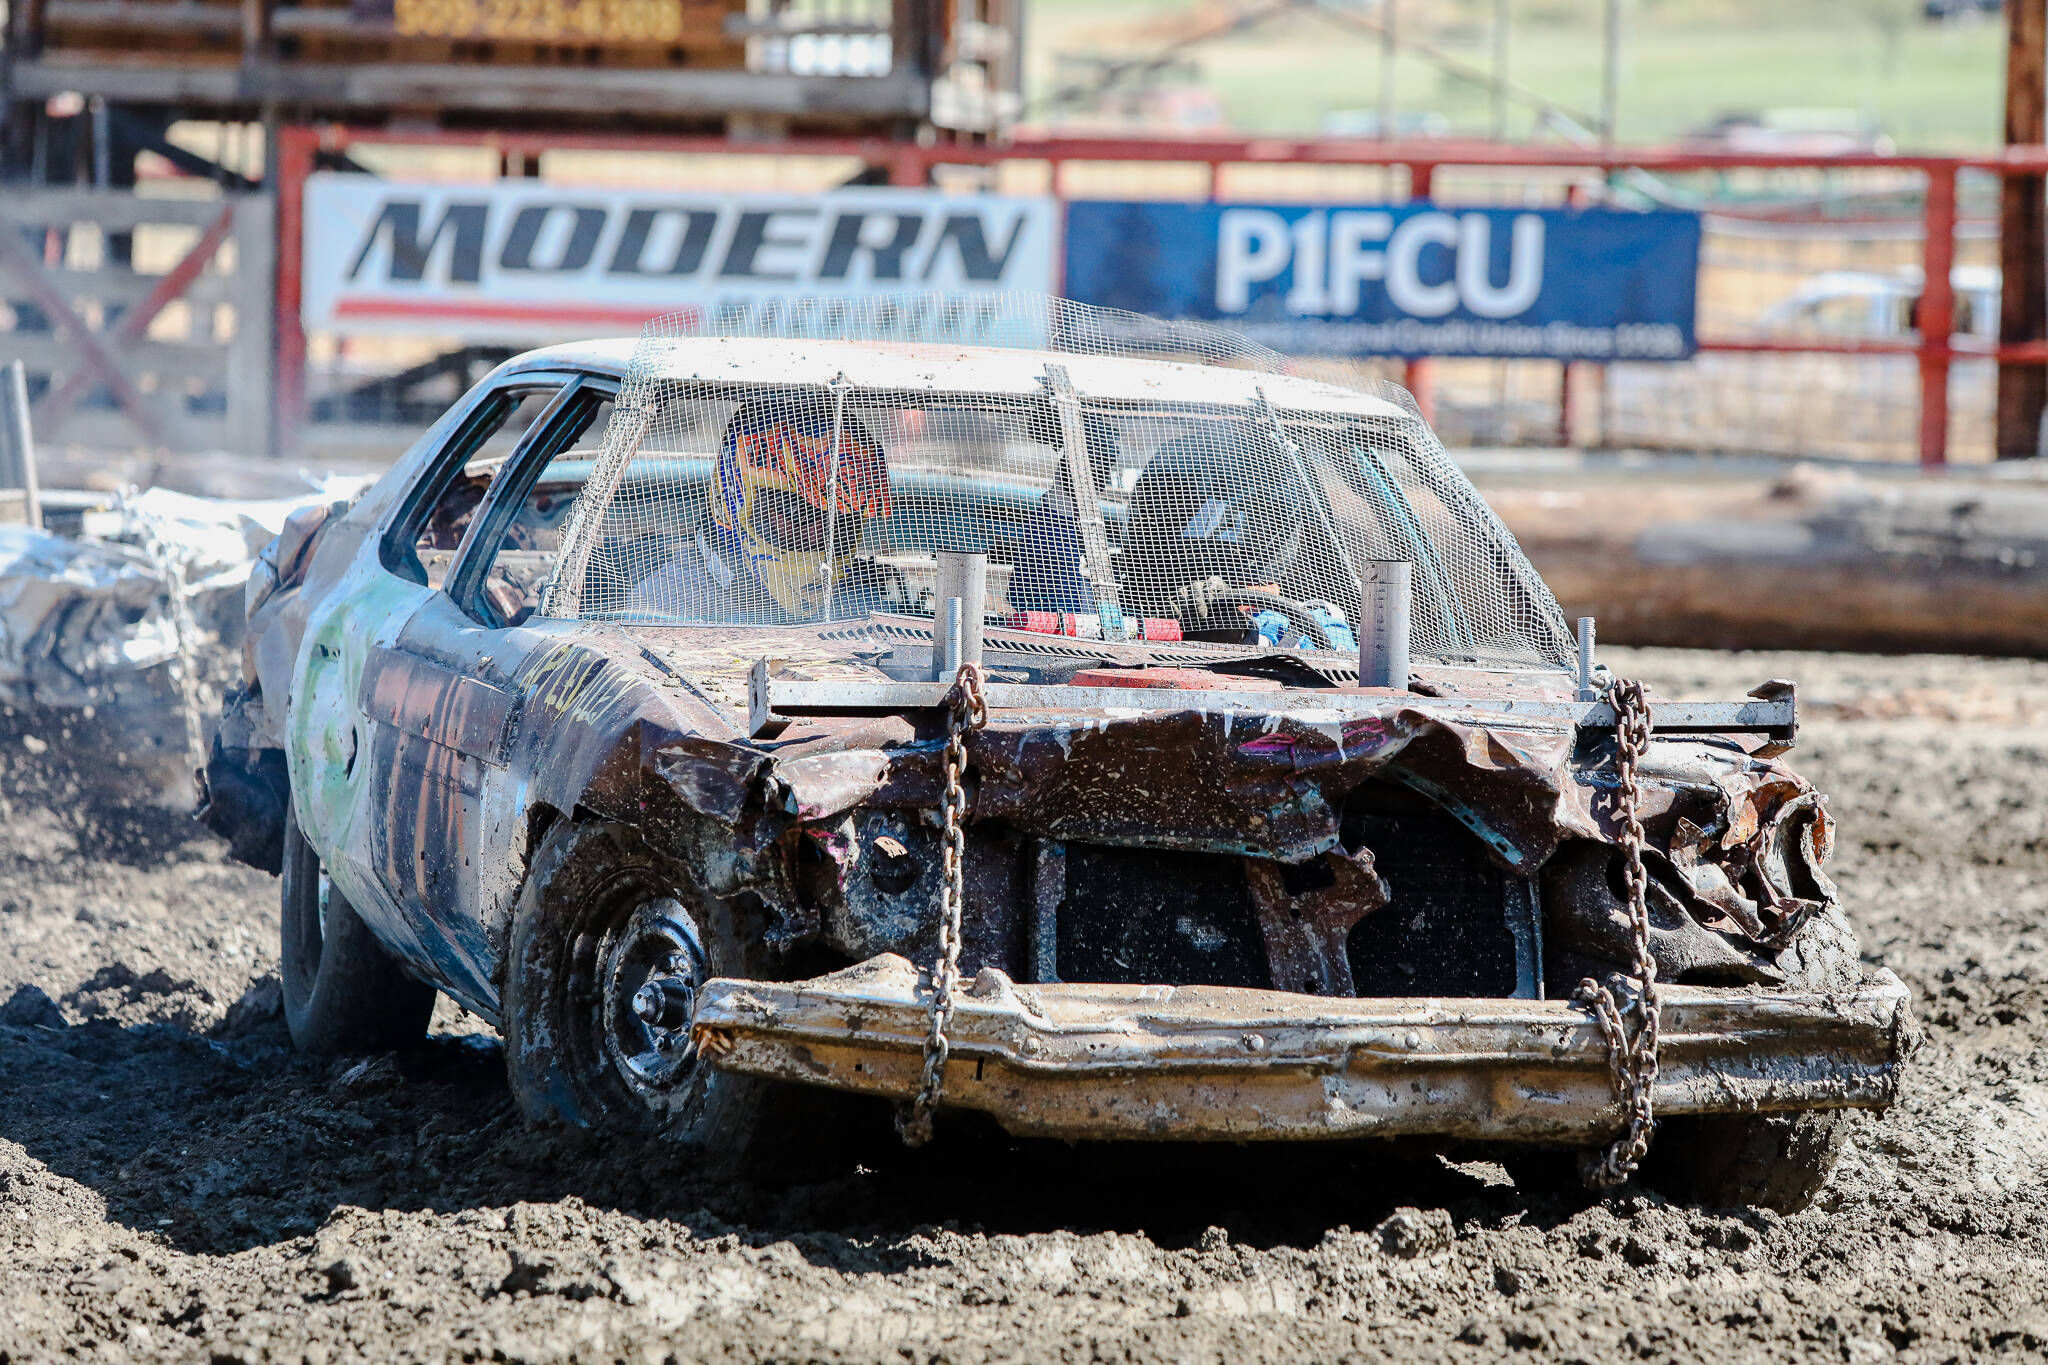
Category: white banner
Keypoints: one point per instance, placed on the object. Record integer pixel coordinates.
(520, 262)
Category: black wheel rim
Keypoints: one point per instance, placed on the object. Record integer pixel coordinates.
(630, 934)
(657, 956)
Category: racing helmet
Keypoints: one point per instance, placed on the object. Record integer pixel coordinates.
(1204, 508)
(775, 500)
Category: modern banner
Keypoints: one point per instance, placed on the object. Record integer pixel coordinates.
(519, 261)
(1406, 280)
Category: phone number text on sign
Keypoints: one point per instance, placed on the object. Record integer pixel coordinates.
(596, 21)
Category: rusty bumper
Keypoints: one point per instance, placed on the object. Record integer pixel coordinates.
(1205, 1062)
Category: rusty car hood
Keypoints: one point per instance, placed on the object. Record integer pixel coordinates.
(1268, 785)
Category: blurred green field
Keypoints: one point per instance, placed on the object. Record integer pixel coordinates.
(1929, 85)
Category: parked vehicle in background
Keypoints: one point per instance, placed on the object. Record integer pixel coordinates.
(1861, 303)
(1794, 132)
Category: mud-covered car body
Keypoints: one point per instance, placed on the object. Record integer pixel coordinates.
(1211, 891)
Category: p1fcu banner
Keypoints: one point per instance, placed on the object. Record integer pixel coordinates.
(520, 262)
(1407, 280)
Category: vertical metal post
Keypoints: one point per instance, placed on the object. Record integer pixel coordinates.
(949, 641)
(1564, 403)
(288, 154)
(1587, 692)
(1390, 49)
(1383, 633)
(255, 30)
(1500, 70)
(102, 143)
(1937, 313)
(1419, 375)
(962, 591)
(1574, 197)
(830, 568)
(1603, 393)
(18, 443)
(1077, 470)
(1610, 73)
(2023, 234)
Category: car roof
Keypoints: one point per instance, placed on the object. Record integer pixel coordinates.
(925, 367)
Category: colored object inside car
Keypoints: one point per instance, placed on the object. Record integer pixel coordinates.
(1087, 627)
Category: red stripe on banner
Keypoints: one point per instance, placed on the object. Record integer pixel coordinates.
(430, 309)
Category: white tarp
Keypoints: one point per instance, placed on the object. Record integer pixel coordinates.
(523, 261)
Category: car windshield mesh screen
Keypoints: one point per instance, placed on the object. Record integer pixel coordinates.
(1127, 479)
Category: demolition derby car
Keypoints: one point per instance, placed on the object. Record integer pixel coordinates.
(1116, 733)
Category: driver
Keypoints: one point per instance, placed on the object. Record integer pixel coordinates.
(778, 529)
(1217, 541)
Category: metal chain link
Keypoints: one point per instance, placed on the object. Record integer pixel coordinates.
(1632, 1061)
(967, 712)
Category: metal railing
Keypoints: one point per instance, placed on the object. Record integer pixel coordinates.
(1915, 390)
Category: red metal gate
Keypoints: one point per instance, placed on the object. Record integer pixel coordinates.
(1934, 349)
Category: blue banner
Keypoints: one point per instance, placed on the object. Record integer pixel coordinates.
(1401, 280)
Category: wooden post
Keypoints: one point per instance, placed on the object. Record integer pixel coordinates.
(2023, 233)
(18, 443)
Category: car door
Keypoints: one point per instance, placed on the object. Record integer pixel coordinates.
(353, 706)
(443, 700)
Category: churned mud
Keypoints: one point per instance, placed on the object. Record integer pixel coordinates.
(175, 1184)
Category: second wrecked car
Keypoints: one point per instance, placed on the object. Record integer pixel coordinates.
(1026, 728)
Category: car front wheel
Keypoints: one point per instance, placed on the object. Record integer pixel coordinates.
(1773, 1161)
(343, 993)
(609, 946)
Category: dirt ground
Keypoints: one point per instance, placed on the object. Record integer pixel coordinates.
(175, 1184)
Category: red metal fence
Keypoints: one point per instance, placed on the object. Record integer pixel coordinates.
(1220, 167)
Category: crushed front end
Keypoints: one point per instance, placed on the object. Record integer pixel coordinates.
(1244, 910)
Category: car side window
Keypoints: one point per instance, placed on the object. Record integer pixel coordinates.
(422, 544)
(514, 569)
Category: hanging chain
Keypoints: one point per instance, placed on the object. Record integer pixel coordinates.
(1633, 1062)
(967, 712)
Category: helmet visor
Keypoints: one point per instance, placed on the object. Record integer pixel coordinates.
(789, 521)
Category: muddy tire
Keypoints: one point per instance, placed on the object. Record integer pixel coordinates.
(1772, 1161)
(601, 915)
(343, 993)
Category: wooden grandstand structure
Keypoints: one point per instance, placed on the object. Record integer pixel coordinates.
(755, 67)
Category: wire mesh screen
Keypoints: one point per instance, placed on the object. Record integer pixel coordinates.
(1128, 480)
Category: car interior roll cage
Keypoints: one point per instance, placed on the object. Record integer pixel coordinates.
(580, 393)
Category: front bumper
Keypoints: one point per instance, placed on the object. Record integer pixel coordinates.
(1208, 1062)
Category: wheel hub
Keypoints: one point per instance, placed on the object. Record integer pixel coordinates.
(665, 1002)
(653, 969)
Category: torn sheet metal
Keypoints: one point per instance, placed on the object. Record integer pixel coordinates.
(124, 616)
(81, 616)
(78, 618)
